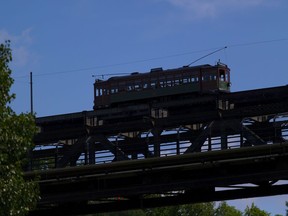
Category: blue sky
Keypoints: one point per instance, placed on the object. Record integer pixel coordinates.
(64, 43)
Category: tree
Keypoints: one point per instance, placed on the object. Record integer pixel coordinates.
(199, 209)
(255, 211)
(123, 213)
(224, 209)
(17, 196)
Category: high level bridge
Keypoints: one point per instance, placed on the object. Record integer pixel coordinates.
(209, 148)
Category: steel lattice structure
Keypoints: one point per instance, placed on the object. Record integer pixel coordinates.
(185, 148)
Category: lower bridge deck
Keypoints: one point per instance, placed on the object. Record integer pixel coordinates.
(190, 178)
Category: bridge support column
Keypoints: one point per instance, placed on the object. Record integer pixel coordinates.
(91, 152)
(157, 141)
(224, 144)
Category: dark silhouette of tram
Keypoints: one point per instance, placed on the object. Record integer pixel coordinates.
(159, 84)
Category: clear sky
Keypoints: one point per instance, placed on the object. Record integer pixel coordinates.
(64, 43)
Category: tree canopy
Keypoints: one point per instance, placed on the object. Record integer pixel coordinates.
(199, 209)
(255, 211)
(17, 196)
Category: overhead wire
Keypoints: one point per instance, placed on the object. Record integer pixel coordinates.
(257, 42)
(116, 64)
(156, 58)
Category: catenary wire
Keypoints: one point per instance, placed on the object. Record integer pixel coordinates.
(157, 58)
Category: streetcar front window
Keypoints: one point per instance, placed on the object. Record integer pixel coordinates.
(222, 75)
(224, 80)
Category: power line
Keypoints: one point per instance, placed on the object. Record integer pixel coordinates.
(157, 58)
(257, 42)
(116, 64)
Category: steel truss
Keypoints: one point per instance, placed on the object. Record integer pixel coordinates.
(186, 148)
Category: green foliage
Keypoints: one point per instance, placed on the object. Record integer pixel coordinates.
(255, 211)
(224, 209)
(17, 196)
(163, 211)
(124, 213)
(201, 209)
(5, 80)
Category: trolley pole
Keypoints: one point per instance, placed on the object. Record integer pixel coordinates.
(31, 93)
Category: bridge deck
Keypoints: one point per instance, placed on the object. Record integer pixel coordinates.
(187, 148)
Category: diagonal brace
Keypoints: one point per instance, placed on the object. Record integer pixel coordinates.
(199, 140)
(118, 153)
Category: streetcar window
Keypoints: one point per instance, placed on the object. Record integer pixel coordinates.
(222, 75)
(194, 79)
(162, 84)
(169, 80)
(169, 83)
(99, 92)
(185, 80)
(138, 85)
